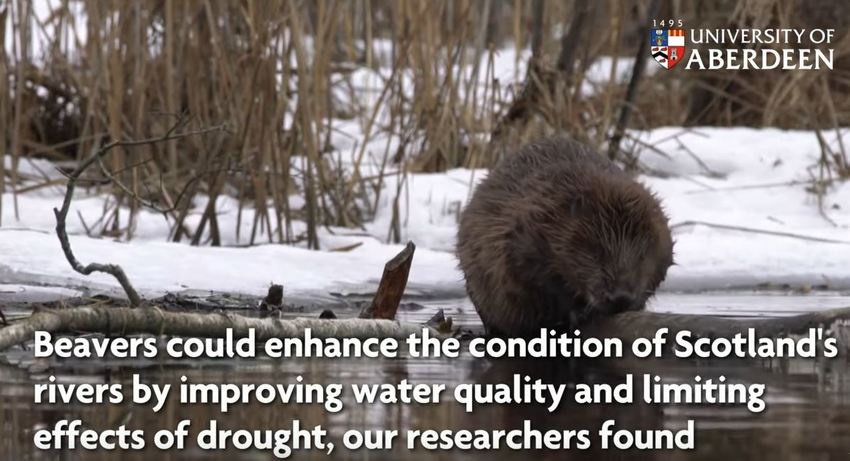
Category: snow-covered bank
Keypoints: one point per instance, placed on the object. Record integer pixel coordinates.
(744, 178)
(157, 267)
(756, 179)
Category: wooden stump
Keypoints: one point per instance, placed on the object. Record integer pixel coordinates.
(392, 285)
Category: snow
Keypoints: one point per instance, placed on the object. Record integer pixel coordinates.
(598, 74)
(43, 27)
(35, 293)
(156, 267)
(755, 179)
(744, 177)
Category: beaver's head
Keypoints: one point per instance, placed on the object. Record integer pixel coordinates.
(615, 247)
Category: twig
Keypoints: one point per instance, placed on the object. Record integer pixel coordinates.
(684, 130)
(826, 154)
(150, 203)
(346, 248)
(647, 145)
(696, 158)
(759, 231)
(753, 186)
(83, 222)
(62, 213)
(23, 229)
(48, 183)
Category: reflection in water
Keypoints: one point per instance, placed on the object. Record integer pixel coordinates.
(807, 416)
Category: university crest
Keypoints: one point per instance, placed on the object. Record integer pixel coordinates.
(667, 46)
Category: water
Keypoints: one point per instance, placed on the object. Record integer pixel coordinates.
(807, 416)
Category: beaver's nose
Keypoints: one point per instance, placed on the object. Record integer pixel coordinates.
(620, 302)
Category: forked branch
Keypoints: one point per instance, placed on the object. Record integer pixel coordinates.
(62, 213)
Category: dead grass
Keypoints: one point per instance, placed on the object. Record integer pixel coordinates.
(281, 76)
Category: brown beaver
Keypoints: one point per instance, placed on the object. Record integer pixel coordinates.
(557, 235)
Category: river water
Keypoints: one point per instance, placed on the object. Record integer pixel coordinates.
(807, 415)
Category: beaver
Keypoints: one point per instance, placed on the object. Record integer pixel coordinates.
(558, 235)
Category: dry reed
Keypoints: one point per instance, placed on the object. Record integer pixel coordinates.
(283, 76)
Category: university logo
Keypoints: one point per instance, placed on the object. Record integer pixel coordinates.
(667, 46)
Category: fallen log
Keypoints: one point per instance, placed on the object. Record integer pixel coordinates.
(629, 326)
(155, 321)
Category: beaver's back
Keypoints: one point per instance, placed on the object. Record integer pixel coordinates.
(515, 234)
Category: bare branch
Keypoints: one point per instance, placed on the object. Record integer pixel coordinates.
(760, 231)
(110, 176)
(62, 213)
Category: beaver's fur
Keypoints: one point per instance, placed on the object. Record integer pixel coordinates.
(557, 234)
